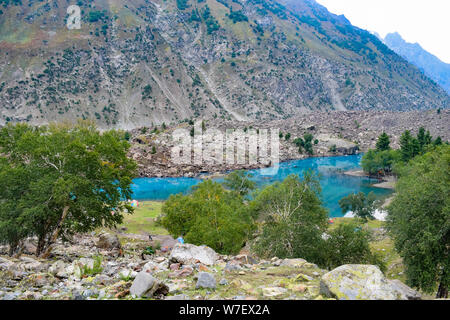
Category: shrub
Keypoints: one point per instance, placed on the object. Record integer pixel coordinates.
(294, 218)
(96, 268)
(349, 243)
(209, 216)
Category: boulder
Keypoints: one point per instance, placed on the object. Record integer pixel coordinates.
(5, 264)
(293, 263)
(206, 280)
(127, 274)
(181, 273)
(154, 267)
(246, 259)
(58, 269)
(190, 254)
(273, 291)
(108, 241)
(232, 266)
(405, 292)
(363, 282)
(144, 285)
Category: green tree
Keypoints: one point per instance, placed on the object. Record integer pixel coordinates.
(287, 136)
(349, 243)
(60, 179)
(419, 220)
(383, 143)
(409, 146)
(438, 141)
(294, 219)
(308, 138)
(361, 205)
(209, 216)
(239, 181)
(424, 139)
(377, 163)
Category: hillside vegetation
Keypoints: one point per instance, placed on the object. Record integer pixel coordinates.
(138, 62)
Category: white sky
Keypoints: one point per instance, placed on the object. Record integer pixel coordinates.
(424, 21)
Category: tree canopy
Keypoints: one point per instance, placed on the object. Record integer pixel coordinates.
(419, 220)
(294, 218)
(363, 206)
(239, 181)
(383, 143)
(210, 215)
(60, 179)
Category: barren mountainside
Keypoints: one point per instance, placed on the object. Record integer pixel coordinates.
(139, 62)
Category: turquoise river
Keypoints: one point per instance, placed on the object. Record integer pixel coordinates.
(335, 185)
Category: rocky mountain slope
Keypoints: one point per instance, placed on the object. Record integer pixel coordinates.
(431, 65)
(138, 62)
(98, 268)
(337, 133)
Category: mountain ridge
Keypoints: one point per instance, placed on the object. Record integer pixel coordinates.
(140, 62)
(430, 64)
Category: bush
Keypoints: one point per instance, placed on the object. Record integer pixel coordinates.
(209, 216)
(294, 219)
(349, 243)
(295, 226)
(237, 16)
(95, 16)
(96, 268)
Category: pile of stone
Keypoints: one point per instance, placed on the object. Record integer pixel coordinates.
(100, 267)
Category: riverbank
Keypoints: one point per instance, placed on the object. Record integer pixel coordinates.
(387, 182)
(334, 134)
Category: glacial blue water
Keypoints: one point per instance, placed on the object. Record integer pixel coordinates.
(335, 185)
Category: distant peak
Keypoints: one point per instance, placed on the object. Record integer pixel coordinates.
(394, 36)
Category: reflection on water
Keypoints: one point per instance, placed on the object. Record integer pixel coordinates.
(335, 185)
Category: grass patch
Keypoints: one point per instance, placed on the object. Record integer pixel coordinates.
(143, 219)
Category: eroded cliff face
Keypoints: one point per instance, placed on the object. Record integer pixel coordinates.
(139, 62)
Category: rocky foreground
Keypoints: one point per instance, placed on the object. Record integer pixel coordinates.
(100, 267)
(337, 133)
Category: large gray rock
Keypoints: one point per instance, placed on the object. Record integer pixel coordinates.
(206, 280)
(190, 254)
(144, 285)
(108, 241)
(58, 269)
(406, 292)
(363, 282)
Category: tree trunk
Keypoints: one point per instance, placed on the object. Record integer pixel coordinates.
(443, 288)
(41, 245)
(12, 248)
(55, 235)
(442, 291)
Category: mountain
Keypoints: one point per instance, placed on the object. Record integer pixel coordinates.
(431, 65)
(140, 62)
